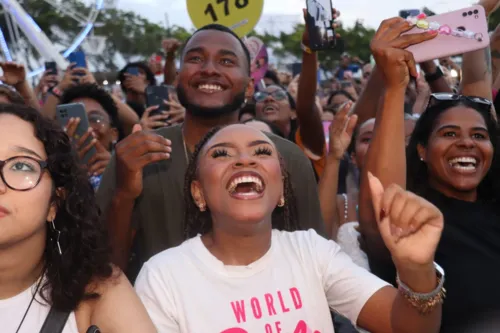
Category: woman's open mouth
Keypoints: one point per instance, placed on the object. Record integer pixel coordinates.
(464, 164)
(246, 186)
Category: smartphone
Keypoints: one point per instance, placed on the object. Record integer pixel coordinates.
(76, 110)
(133, 71)
(296, 69)
(319, 20)
(93, 329)
(51, 67)
(405, 13)
(460, 31)
(78, 57)
(155, 95)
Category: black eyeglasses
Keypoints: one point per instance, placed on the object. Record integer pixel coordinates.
(278, 95)
(479, 102)
(21, 173)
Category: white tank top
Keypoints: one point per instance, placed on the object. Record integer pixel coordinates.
(13, 309)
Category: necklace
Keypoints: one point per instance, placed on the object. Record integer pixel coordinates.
(31, 302)
(186, 154)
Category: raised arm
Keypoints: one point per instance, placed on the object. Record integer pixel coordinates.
(170, 72)
(386, 155)
(341, 132)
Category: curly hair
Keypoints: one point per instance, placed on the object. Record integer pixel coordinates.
(417, 174)
(150, 76)
(86, 254)
(197, 222)
(101, 96)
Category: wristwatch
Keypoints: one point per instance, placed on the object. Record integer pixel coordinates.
(433, 77)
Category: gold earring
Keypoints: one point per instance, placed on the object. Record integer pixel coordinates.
(281, 203)
(202, 207)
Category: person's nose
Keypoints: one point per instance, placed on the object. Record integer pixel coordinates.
(209, 68)
(245, 160)
(466, 142)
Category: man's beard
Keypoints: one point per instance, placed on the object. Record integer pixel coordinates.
(209, 113)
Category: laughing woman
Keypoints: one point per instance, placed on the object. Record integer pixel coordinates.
(54, 259)
(246, 268)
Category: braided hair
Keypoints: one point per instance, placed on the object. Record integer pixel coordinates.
(198, 222)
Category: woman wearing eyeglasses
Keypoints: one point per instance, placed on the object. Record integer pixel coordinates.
(54, 254)
(452, 160)
(277, 106)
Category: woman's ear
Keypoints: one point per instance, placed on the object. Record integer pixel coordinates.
(197, 195)
(422, 152)
(60, 193)
(114, 135)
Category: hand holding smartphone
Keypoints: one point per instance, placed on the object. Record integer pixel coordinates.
(319, 20)
(155, 95)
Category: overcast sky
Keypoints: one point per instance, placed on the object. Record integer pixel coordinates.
(371, 11)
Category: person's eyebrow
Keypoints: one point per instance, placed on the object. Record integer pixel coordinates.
(27, 151)
(455, 127)
(194, 50)
(230, 145)
(225, 52)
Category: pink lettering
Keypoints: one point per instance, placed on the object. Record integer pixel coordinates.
(269, 329)
(234, 330)
(301, 327)
(269, 303)
(283, 306)
(297, 301)
(239, 311)
(278, 327)
(257, 311)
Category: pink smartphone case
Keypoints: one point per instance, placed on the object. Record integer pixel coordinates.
(444, 45)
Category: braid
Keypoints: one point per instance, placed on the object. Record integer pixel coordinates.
(197, 222)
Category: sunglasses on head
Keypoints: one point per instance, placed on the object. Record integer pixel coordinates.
(481, 103)
(278, 95)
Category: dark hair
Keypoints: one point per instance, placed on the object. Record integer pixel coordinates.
(274, 129)
(249, 108)
(417, 176)
(12, 95)
(273, 77)
(150, 76)
(339, 92)
(197, 222)
(85, 251)
(218, 27)
(101, 96)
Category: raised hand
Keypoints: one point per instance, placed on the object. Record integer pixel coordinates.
(135, 83)
(410, 226)
(170, 45)
(70, 78)
(135, 152)
(13, 74)
(176, 111)
(341, 131)
(388, 48)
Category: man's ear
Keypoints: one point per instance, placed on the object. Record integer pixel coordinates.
(250, 90)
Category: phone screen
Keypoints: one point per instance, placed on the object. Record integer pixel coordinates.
(133, 71)
(78, 58)
(155, 95)
(51, 67)
(326, 130)
(405, 13)
(319, 22)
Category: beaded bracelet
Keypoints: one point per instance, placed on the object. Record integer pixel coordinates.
(421, 23)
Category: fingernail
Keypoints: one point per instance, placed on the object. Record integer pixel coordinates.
(167, 155)
(432, 32)
(382, 214)
(393, 229)
(412, 228)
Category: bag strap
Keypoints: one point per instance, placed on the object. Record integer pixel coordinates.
(55, 321)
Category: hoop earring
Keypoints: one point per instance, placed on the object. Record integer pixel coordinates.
(281, 203)
(58, 233)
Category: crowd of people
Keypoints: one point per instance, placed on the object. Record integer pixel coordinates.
(233, 211)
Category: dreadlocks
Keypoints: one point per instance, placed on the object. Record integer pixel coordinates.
(197, 222)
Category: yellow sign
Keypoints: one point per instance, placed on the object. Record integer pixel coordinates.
(239, 15)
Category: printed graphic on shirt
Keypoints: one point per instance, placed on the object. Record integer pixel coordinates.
(267, 306)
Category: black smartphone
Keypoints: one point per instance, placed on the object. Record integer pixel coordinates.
(405, 13)
(155, 95)
(51, 67)
(345, 84)
(76, 110)
(133, 71)
(319, 19)
(93, 329)
(296, 68)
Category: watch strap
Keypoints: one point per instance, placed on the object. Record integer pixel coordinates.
(434, 76)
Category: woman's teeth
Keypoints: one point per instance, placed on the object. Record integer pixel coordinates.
(463, 163)
(253, 181)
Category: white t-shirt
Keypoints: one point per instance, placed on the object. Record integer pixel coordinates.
(13, 309)
(290, 289)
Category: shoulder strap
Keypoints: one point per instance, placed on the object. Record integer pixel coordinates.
(55, 321)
